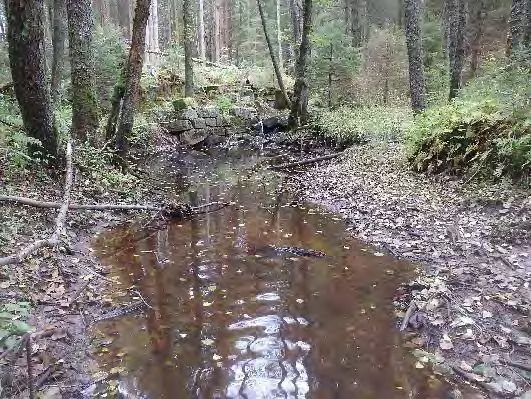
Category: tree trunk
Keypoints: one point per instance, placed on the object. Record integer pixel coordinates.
(124, 17)
(175, 22)
(527, 25)
(279, 38)
(516, 21)
(477, 33)
(301, 89)
(202, 48)
(59, 38)
(84, 105)
(25, 35)
(132, 80)
(216, 33)
(417, 86)
(272, 53)
(152, 34)
(456, 49)
(188, 48)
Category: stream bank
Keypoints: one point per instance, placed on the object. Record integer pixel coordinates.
(385, 204)
(471, 242)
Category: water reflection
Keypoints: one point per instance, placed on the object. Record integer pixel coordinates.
(233, 317)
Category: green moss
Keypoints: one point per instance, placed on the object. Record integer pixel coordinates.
(181, 104)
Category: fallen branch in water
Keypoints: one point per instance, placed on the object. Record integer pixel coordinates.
(305, 162)
(54, 240)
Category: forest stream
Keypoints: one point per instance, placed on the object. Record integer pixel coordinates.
(238, 309)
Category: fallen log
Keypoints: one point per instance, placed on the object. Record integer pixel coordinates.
(305, 161)
(54, 240)
(170, 209)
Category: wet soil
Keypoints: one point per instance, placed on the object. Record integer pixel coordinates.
(233, 310)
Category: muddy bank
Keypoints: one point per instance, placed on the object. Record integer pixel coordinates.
(470, 318)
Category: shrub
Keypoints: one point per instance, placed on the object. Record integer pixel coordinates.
(487, 127)
(349, 125)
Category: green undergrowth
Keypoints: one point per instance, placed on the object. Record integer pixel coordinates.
(349, 125)
(487, 129)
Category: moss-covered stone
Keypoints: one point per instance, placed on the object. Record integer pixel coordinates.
(180, 104)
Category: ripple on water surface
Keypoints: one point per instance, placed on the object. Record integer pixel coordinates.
(237, 315)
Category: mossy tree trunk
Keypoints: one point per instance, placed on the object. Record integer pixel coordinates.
(417, 85)
(58, 42)
(301, 89)
(189, 37)
(132, 78)
(84, 103)
(25, 36)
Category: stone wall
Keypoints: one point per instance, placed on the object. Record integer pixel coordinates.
(195, 125)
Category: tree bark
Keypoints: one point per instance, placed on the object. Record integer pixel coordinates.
(357, 20)
(188, 48)
(85, 118)
(456, 49)
(28, 65)
(527, 25)
(152, 34)
(477, 33)
(417, 85)
(272, 54)
(301, 89)
(59, 38)
(124, 17)
(202, 48)
(279, 37)
(516, 26)
(132, 80)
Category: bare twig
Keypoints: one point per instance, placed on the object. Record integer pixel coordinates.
(78, 293)
(54, 240)
(407, 316)
(142, 299)
(44, 376)
(29, 364)
(472, 380)
(522, 366)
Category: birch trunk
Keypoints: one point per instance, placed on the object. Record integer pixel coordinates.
(202, 48)
(279, 38)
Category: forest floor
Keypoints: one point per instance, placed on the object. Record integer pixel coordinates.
(67, 288)
(469, 307)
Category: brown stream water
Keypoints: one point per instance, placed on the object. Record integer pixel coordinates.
(234, 316)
